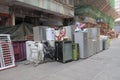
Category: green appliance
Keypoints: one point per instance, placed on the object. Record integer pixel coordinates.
(108, 42)
(75, 51)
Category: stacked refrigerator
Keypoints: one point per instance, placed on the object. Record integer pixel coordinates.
(96, 37)
(44, 33)
(92, 36)
(39, 33)
(63, 51)
(68, 32)
(85, 42)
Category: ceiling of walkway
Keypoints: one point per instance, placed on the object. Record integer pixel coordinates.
(102, 5)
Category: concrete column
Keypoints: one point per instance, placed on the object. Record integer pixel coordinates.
(76, 19)
(13, 18)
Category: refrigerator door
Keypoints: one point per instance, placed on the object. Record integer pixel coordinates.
(67, 51)
(89, 33)
(98, 43)
(82, 39)
(50, 36)
(91, 47)
(78, 38)
(63, 51)
(87, 46)
(95, 32)
(95, 36)
(94, 46)
(86, 52)
(68, 34)
(59, 51)
(101, 44)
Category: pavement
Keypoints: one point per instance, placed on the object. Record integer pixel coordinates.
(102, 66)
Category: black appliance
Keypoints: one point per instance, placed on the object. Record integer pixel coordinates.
(63, 51)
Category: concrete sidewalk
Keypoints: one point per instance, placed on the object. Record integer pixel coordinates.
(102, 66)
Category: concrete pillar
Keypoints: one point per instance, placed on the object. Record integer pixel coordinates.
(13, 18)
(76, 19)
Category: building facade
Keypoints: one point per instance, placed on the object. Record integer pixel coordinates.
(40, 12)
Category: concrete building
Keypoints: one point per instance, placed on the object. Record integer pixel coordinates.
(39, 12)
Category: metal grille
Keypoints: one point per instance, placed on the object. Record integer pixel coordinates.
(6, 52)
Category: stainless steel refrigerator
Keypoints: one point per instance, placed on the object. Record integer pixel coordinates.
(96, 37)
(85, 44)
(39, 33)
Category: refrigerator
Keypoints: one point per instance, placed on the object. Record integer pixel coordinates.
(96, 37)
(63, 51)
(105, 44)
(39, 33)
(68, 32)
(101, 44)
(85, 44)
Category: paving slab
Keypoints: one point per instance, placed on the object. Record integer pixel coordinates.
(102, 66)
